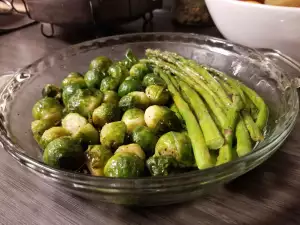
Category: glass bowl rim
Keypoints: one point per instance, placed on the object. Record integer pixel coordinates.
(17, 152)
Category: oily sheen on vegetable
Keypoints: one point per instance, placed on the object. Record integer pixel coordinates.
(157, 116)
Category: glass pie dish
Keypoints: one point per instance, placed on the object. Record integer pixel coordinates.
(269, 72)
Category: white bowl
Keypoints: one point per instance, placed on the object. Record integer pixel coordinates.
(258, 25)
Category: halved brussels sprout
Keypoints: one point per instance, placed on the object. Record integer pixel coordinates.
(53, 133)
(38, 127)
(158, 95)
(73, 78)
(113, 134)
(146, 138)
(129, 86)
(100, 64)
(52, 91)
(133, 118)
(153, 79)
(64, 153)
(139, 70)
(105, 113)
(177, 145)
(84, 101)
(118, 72)
(161, 165)
(87, 135)
(136, 99)
(132, 148)
(109, 84)
(111, 97)
(93, 78)
(73, 122)
(96, 158)
(47, 109)
(161, 119)
(125, 165)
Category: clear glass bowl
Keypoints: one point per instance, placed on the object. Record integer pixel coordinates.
(248, 65)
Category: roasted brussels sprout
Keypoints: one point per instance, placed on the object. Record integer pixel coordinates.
(139, 70)
(52, 91)
(136, 99)
(133, 118)
(118, 72)
(68, 91)
(38, 127)
(109, 84)
(124, 165)
(53, 133)
(73, 122)
(93, 78)
(113, 134)
(105, 113)
(161, 119)
(129, 86)
(161, 165)
(153, 79)
(100, 64)
(84, 101)
(158, 95)
(111, 97)
(96, 158)
(177, 145)
(87, 135)
(132, 148)
(47, 109)
(73, 78)
(146, 138)
(64, 153)
(130, 59)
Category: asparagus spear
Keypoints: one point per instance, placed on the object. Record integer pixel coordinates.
(201, 152)
(244, 145)
(215, 108)
(212, 136)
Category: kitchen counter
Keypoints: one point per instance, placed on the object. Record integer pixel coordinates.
(270, 194)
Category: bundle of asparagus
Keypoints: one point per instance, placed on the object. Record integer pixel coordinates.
(218, 110)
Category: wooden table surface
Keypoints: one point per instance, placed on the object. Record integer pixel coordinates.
(270, 194)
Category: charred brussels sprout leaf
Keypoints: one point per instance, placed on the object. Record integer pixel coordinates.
(96, 158)
(161, 165)
(124, 165)
(64, 153)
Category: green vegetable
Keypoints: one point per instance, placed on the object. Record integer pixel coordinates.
(38, 127)
(73, 78)
(201, 152)
(100, 64)
(93, 79)
(131, 57)
(73, 122)
(53, 133)
(146, 138)
(177, 145)
(161, 165)
(64, 153)
(253, 129)
(153, 79)
(124, 165)
(47, 109)
(69, 90)
(87, 135)
(174, 108)
(96, 158)
(244, 145)
(132, 148)
(111, 97)
(129, 86)
(139, 70)
(109, 84)
(84, 101)
(161, 119)
(113, 134)
(133, 118)
(52, 91)
(105, 113)
(136, 99)
(118, 72)
(158, 95)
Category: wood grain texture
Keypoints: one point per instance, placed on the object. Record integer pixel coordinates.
(267, 195)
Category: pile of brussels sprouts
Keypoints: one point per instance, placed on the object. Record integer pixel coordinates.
(124, 119)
